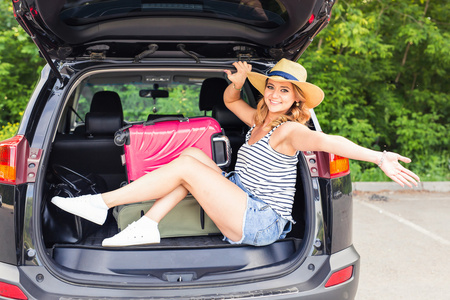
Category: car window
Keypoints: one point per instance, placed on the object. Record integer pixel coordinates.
(262, 13)
(182, 99)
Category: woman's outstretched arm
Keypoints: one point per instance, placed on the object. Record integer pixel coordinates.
(304, 139)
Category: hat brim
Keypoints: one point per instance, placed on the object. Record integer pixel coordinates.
(312, 93)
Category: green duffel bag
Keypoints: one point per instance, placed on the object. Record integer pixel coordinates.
(187, 218)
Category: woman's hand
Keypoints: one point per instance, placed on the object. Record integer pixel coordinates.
(394, 170)
(238, 78)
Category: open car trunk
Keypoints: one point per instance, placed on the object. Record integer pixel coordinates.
(185, 258)
(176, 259)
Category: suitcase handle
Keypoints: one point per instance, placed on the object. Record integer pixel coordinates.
(224, 139)
(164, 119)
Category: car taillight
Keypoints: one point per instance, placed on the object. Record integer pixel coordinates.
(339, 166)
(10, 291)
(9, 150)
(340, 276)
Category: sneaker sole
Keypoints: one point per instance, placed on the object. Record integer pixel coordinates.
(129, 245)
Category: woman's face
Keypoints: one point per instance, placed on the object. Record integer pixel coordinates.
(279, 96)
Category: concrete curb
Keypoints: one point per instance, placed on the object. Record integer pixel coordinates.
(430, 186)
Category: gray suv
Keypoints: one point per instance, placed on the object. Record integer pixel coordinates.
(103, 58)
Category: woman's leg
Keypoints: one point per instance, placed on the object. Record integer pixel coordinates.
(193, 172)
(133, 194)
(165, 204)
(222, 200)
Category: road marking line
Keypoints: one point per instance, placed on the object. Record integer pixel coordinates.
(407, 223)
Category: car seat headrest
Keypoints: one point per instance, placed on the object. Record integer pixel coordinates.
(102, 123)
(211, 92)
(106, 101)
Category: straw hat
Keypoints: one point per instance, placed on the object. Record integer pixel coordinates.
(289, 71)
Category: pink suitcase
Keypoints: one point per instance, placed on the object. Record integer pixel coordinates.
(153, 144)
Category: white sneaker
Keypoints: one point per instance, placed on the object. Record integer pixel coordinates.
(89, 207)
(137, 233)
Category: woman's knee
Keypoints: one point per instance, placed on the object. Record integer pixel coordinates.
(187, 162)
(200, 156)
(192, 151)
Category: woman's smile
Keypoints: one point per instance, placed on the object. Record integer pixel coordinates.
(275, 102)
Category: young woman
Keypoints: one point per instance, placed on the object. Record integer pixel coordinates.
(253, 204)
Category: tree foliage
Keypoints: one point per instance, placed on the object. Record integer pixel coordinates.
(383, 65)
(20, 66)
(384, 68)
(8, 130)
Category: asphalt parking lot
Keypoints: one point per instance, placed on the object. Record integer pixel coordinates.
(403, 238)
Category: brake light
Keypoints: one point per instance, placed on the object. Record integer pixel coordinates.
(339, 166)
(340, 276)
(10, 291)
(9, 150)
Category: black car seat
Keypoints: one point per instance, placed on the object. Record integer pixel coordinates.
(95, 151)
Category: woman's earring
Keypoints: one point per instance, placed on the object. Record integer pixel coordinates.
(297, 104)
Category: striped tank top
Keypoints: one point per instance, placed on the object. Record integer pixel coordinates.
(268, 174)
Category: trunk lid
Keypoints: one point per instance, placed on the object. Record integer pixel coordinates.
(69, 29)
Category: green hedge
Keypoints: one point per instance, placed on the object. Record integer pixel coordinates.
(383, 66)
(8, 130)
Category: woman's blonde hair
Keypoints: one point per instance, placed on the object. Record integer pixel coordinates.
(296, 113)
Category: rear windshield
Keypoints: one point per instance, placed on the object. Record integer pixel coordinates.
(147, 96)
(181, 98)
(262, 13)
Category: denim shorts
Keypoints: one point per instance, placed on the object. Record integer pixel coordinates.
(261, 225)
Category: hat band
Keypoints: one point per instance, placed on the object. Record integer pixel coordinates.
(282, 74)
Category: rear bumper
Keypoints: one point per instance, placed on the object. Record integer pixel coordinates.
(306, 282)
